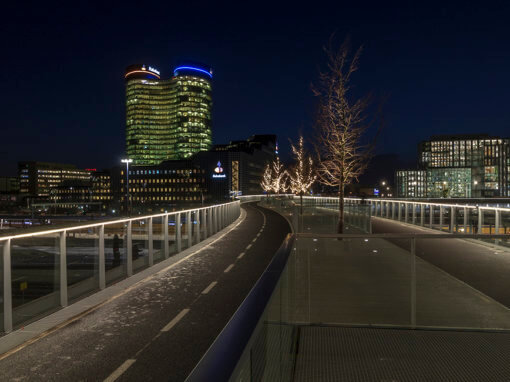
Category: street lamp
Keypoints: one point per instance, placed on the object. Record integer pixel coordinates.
(127, 162)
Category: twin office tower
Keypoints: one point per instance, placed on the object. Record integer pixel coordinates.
(167, 119)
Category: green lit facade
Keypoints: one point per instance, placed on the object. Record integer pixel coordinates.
(167, 119)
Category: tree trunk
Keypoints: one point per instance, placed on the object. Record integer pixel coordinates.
(301, 201)
(340, 228)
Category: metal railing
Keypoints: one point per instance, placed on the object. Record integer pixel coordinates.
(258, 198)
(453, 218)
(46, 269)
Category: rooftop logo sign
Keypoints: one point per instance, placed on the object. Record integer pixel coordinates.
(151, 69)
(219, 171)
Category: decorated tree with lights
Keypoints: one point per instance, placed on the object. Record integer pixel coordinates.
(267, 180)
(341, 124)
(301, 176)
(279, 176)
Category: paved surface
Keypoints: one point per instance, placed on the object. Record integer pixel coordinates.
(160, 329)
(369, 282)
(363, 354)
(485, 268)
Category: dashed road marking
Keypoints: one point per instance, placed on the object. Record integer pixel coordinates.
(248, 247)
(120, 370)
(241, 255)
(229, 268)
(177, 318)
(208, 289)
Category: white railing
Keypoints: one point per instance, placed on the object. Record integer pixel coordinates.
(473, 218)
(258, 198)
(459, 218)
(159, 235)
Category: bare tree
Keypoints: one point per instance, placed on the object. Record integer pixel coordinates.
(267, 179)
(341, 123)
(301, 176)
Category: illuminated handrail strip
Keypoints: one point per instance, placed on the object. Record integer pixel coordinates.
(58, 230)
(335, 199)
(332, 198)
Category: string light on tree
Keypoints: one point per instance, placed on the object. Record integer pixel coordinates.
(267, 179)
(301, 176)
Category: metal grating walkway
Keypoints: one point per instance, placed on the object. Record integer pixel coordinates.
(366, 354)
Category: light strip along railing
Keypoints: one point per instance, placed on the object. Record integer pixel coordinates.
(258, 198)
(460, 218)
(77, 269)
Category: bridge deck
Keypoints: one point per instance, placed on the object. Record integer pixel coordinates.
(484, 267)
(160, 328)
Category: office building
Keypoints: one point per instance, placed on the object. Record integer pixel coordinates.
(411, 183)
(37, 179)
(459, 166)
(208, 176)
(96, 190)
(9, 184)
(167, 119)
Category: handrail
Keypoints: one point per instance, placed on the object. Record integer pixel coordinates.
(39, 232)
(380, 200)
(414, 212)
(438, 235)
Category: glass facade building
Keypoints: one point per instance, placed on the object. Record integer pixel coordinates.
(461, 166)
(411, 183)
(167, 119)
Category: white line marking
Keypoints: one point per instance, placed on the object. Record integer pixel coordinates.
(229, 268)
(254, 240)
(177, 318)
(208, 289)
(120, 370)
(258, 234)
(248, 247)
(241, 255)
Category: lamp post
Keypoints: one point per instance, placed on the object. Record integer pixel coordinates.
(128, 202)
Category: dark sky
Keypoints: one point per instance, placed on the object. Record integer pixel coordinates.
(445, 68)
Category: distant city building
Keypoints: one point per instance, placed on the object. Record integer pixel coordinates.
(37, 179)
(96, 190)
(167, 119)
(458, 166)
(102, 190)
(411, 183)
(207, 176)
(9, 184)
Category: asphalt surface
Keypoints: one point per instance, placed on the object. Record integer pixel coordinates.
(485, 268)
(160, 329)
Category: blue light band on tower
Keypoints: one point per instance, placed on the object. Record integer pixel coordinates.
(192, 68)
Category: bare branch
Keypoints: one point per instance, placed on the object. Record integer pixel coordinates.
(341, 122)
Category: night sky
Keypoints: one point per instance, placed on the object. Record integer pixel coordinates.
(445, 69)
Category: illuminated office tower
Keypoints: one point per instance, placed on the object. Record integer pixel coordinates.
(167, 119)
(191, 126)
